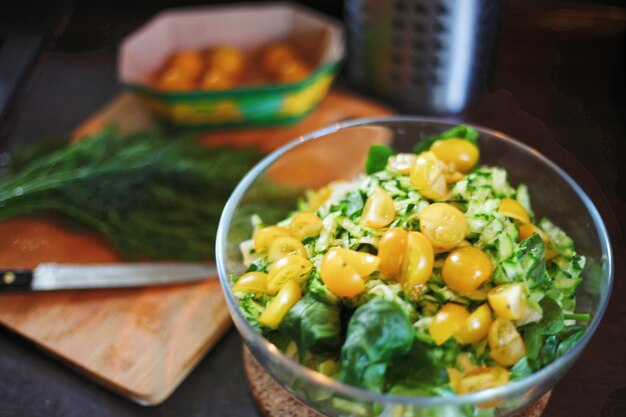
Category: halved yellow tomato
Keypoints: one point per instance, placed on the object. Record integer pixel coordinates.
(379, 210)
(287, 297)
(443, 224)
(466, 268)
(529, 229)
(304, 225)
(448, 320)
(265, 236)
(417, 261)
(460, 153)
(290, 267)
(427, 177)
(402, 163)
(391, 248)
(508, 300)
(511, 208)
(476, 326)
(254, 282)
(506, 344)
(482, 378)
(340, 278)
(282, 246)
(363, 263)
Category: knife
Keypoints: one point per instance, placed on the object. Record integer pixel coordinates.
(54, 276)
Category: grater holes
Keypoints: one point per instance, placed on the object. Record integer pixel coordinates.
(418, 45)
(434, 61)
(438, 27)
(399, 6)
(419, 28)
(437, 45)
(419, 9)
(397, 23)
(440, 9)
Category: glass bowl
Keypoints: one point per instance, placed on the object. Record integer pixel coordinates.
(338, 152)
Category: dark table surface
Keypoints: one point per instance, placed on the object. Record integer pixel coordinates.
(559, 84)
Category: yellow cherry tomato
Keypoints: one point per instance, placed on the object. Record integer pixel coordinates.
(254, 282)
(508, 300)
(466, 268)
(174, 79)
(316, 199)
(265, 236)
(304, 225)
(391, 248)
(291, 267)
(216, 79)
(340, 278)
(427, 177)
(292, 71)
(482, 378)
(529, 229)
(460, 153)
(417, 261)
(282, 246)
(506, 344)
(287, 297)
(401, 163)
(443, 224)
(227, 59)
(363, 263)
(378, 211)
(448, 320)
(475, 327)
(188, 62)
(511, 208)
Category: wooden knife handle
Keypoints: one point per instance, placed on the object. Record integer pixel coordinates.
(15, 280)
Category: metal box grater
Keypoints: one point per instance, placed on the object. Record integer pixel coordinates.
(422, 56)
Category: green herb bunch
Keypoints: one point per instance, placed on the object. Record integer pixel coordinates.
(148, 195)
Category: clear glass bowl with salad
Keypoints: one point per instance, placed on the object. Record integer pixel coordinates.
(411, 267)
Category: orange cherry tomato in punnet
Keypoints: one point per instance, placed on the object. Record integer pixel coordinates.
(448, 320)
(378, 211)
(506, 344)
(466, 268)
(427, 177)
(391, 248)
(443, 224)
(340, 278)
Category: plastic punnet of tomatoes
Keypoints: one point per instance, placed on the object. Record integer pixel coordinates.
(197, 68)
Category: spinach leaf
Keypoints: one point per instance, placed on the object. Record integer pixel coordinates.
(569, 337)
(416, 372)
(550, 324)
(461, 132)
(378, 333)
(377, 157)
(521, 369)
(314, 326)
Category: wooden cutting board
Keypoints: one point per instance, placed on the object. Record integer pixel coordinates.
(140, 343)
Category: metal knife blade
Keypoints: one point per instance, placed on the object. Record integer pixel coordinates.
(53, 276)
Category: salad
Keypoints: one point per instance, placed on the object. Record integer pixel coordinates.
(426, 275)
